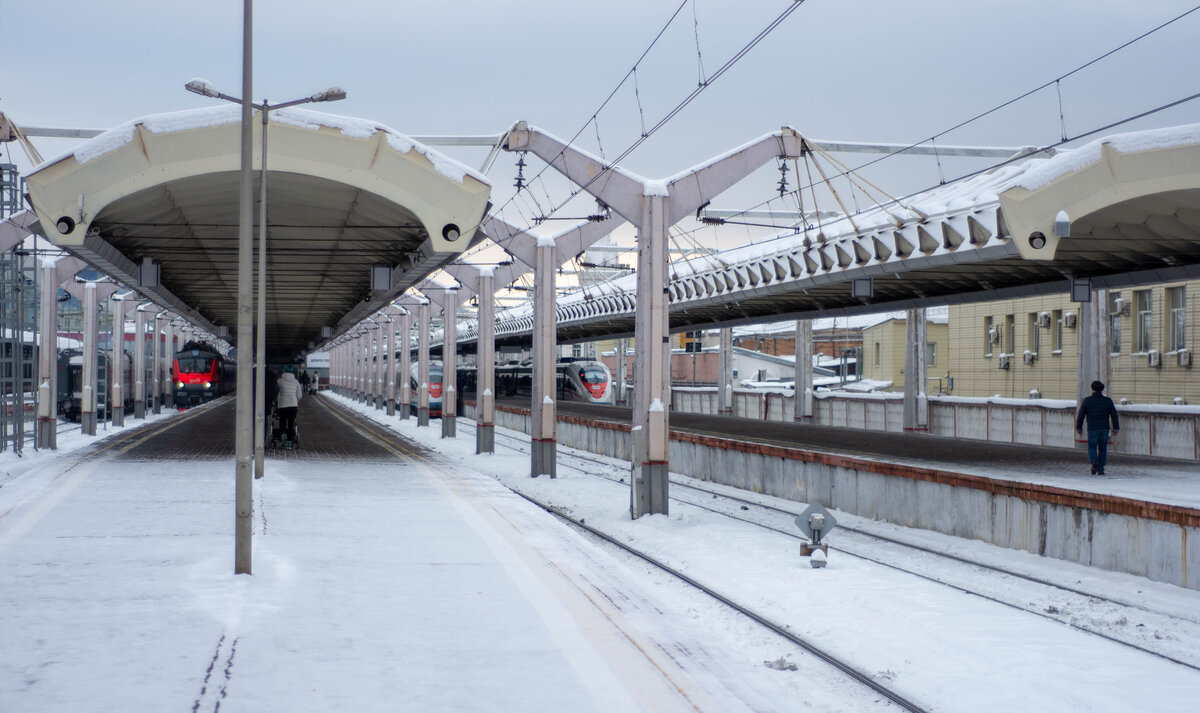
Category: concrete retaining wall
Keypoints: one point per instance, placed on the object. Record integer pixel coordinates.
(1166, 431)
(1160, 542)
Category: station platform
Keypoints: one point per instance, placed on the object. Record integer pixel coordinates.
(1164, 481)
(384, 579)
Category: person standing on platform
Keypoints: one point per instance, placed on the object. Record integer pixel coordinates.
(1097, 409)
(290, 393)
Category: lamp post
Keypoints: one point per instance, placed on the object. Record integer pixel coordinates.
(244, 495)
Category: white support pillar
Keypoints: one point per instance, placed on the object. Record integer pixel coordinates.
(376, 364)
(485, 381)
(916, 398)
(139, 364)
(804, 371)
(652, 387)
(544, 442)
(155, 385)
(361, 348)
(87, 405)
(46, 435)
(621, 372)
(390, 356)
(405, 375)
(725, 374)
(169, 350)
(1095, 350)
(423, 365)
(116, 400)
(449, 362)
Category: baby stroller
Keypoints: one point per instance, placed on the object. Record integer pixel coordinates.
(276, 434)
(279, 436)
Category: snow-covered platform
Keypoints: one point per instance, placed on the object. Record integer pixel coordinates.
(385, 579)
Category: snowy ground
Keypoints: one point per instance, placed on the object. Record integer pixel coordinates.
(426, 585)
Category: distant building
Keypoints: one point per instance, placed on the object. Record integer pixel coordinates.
(1018, 347)
(883, 350)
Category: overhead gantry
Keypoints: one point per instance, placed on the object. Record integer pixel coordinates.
(652, 207)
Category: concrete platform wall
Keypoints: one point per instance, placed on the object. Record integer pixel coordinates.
(1166, 431)
(1159, 542)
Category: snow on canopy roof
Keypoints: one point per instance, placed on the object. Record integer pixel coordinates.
(223, 114)
(979, 192)
(1065, 162)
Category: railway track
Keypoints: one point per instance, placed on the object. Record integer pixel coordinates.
(779, 629)
(1053, 600)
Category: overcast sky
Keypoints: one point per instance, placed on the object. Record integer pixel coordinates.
(871, 70)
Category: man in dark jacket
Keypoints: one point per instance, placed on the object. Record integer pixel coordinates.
(1097, 409)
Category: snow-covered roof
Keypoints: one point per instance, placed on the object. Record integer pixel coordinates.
(172, 122)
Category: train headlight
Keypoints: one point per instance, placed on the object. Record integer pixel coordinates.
(179, 384)
(208, 384)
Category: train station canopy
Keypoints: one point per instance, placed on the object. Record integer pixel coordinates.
(345, 197)
(1119, 211)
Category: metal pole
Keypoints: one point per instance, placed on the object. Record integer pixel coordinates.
(390, 355)
(544, 439)
(803, 382)
(260, 350)
(139, 364)
(87, 406)
(244, 471)
(116, 402)
(405, 365)
(423, 365)
(46, 434)
(725, 376)
(449, 363)
(485, 388)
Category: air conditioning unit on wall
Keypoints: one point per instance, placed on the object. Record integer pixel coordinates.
(1043, 320)
(1030, 357)
(1185, 357)
(1069, 320)
(994, 335)
(1003, 361)
(1120, 306)
(1153, 358)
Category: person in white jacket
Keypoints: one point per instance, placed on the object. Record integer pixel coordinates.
(288, 401)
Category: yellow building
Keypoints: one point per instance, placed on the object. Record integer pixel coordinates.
(883, 352)
(1015, 347)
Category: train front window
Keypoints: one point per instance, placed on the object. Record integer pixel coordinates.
(195, 364)
(592, 375)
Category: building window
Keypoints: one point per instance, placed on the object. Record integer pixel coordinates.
(1034, 333)
(930, 354)
(576, 350)
(1142, 311)
(1010, 321)
(1176, 319)
(1057, 326)
(989, 336)
(1114, 322)
(876, 355)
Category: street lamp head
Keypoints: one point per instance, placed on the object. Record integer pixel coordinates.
(202, 87)
(329, 95)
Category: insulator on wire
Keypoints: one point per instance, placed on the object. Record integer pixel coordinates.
(519, 183)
